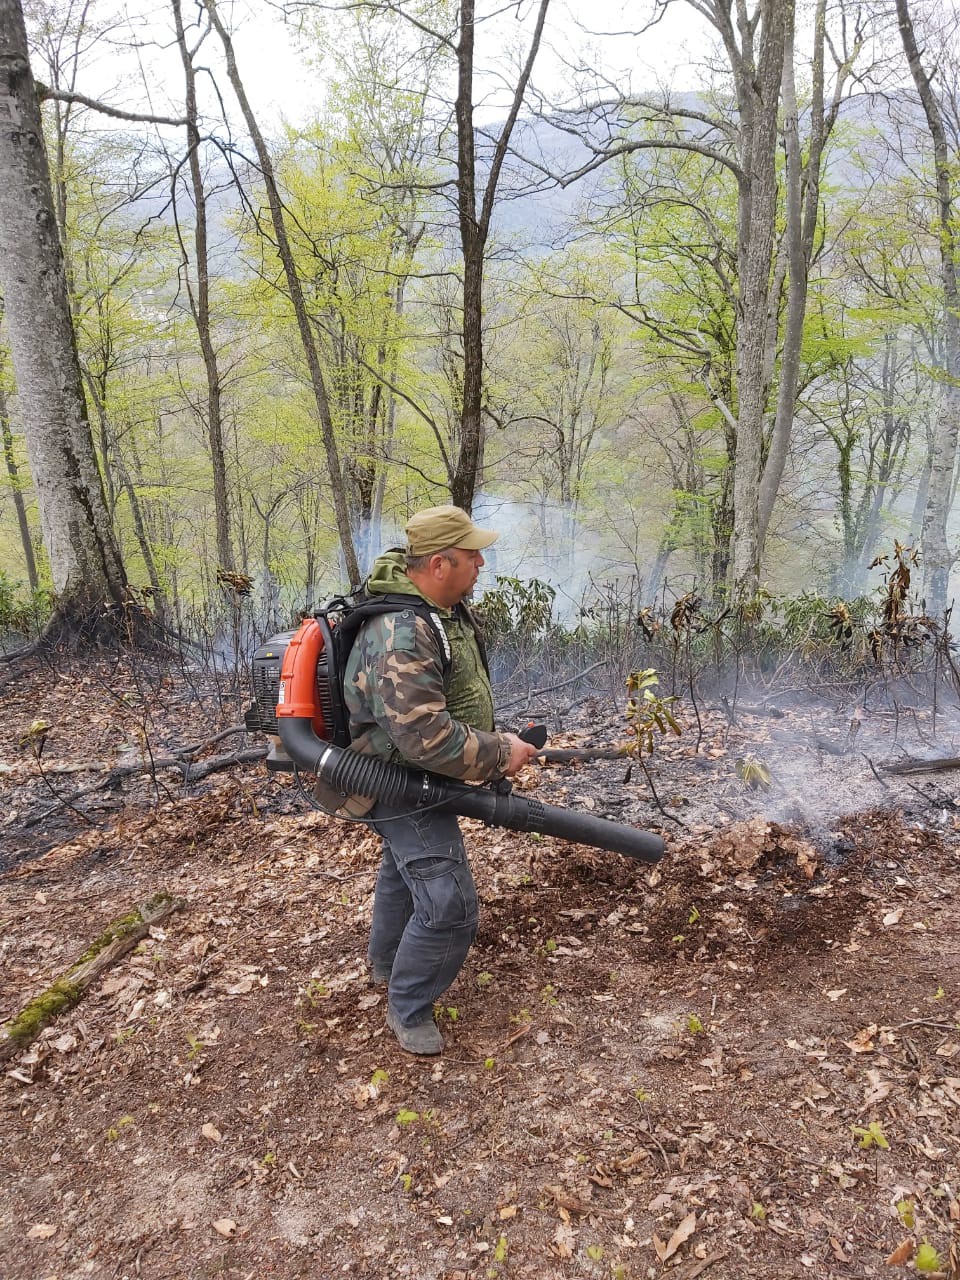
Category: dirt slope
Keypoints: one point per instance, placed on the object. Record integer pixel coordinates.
(745, 1061)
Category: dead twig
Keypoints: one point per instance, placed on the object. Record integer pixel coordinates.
(925, 1022)
(697, 1268)
(550, 688)
(191, 772)
(873, 770)
(210, 742)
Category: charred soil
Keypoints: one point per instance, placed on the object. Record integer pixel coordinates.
(742, 1061)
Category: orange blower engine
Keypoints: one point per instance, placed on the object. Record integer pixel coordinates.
(298, 704)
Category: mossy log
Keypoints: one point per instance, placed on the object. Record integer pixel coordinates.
(114, 943)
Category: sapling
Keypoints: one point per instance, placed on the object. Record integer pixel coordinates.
(649, 714)
(871, 1136)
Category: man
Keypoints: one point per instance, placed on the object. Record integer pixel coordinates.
(421, 696)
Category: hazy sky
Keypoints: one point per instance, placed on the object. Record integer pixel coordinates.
(283, 85)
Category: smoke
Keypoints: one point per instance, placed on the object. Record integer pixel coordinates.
(547, 541)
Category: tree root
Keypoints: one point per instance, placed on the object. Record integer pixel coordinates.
(114, 943)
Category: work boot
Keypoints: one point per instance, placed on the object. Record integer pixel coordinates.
(424, 1039)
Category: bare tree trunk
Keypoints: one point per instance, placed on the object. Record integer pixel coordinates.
(473, 246)
(295, 289)
(84, 557)
(758, 95)
(200, 299)
(474, 233)
(937, 556)
(110, 453)
(801, 222)
(802, 181)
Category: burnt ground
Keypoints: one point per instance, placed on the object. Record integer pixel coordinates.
(744, 1061)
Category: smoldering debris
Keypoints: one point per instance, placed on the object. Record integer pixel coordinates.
(808, 766)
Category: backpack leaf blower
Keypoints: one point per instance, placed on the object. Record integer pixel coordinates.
(298, 698)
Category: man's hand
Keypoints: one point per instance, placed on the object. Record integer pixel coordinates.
(520, 753)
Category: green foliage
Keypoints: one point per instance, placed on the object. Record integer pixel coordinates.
(21, 610)
(113, 1133)
(871, 1136)
(927, 1258)
(906, 1212)
(314, 992)
(197, 1047)
(753, 773)
(649, 712)
(515, 609)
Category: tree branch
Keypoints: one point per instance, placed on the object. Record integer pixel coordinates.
(45, 94)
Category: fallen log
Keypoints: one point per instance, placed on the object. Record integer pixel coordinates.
(940, 765)
(190, 772)
(565, 755)
(116, 940)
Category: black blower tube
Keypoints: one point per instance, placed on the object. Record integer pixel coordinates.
(350, 773)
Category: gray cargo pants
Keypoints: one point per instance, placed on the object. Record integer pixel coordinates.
(424, 909)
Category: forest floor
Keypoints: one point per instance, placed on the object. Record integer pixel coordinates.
(744, 1061)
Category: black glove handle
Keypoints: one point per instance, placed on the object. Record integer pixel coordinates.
(535, 734)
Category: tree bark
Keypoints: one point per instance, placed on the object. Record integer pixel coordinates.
(84, 557)
(937, 556)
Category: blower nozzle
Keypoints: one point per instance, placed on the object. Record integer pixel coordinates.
(349, 773)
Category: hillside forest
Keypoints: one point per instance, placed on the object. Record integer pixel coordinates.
(696, 335)
(666, 292)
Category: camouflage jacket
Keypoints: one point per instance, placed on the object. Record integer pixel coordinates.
(403, 709)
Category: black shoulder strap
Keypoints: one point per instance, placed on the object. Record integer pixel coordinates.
(354, 613)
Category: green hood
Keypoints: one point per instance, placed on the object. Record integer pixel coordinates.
(389, 577)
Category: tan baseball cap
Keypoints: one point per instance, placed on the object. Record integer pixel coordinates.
(437, 528)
